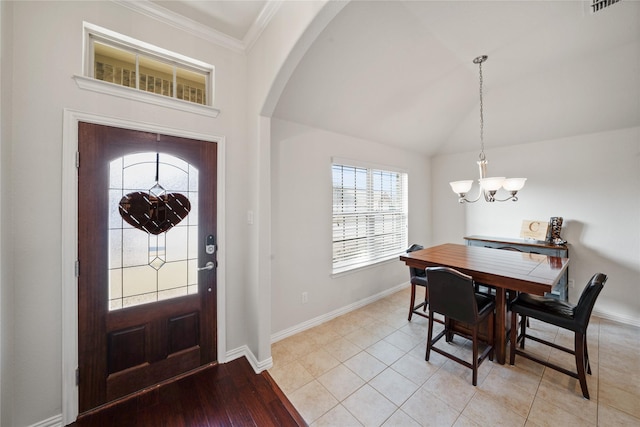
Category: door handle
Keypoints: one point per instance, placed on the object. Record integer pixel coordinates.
(208, 266)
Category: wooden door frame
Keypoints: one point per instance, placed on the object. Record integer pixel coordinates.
(69, 243)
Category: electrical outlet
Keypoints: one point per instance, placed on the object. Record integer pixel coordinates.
(572, 283)
(305, 297)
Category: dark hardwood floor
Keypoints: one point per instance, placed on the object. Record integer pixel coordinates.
(229, 394)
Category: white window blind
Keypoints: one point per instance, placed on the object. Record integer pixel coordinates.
(597, 5)
(369, 216)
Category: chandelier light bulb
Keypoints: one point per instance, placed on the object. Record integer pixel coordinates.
(491, 184)
(461, 187)
(513, 184)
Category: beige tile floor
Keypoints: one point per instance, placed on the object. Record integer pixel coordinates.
(367, 368)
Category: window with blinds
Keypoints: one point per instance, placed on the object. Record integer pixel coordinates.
(369, 216)
(597, 5)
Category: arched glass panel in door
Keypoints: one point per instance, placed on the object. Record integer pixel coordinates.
(153, 224)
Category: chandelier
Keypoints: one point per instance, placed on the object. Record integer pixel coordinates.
(489, 186)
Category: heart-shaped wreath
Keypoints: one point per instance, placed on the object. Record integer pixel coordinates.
(154, 214)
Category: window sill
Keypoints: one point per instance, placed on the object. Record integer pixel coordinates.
(360, 268)
(88, 83)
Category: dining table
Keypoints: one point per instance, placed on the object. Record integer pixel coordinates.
(500, 269)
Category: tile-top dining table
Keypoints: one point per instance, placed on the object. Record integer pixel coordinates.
(504, 270)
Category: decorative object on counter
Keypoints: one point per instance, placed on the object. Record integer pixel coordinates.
(555, 224)
(488, 185)
(536, 230)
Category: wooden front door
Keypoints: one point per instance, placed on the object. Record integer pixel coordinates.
(147, 260)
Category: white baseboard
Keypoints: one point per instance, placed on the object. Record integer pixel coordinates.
(55, 421)
(336, 313)
(617, 318)
(257, 365)
(237, 353)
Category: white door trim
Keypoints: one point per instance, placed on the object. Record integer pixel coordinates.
(69, 243)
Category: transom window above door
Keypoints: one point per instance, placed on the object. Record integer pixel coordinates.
(126, 67)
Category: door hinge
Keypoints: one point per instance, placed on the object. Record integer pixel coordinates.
(77, 268)
(77, 376)
(77, 159)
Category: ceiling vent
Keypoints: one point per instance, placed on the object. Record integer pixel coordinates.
(598, 5)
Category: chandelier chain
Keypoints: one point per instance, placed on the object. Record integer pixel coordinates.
(482, 156)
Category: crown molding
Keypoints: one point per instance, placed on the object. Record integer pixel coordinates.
(261, 22)
(162, 14)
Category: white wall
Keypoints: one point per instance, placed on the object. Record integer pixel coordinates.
(6, 286)
(47, 52)
(301, 225)
(270, 63)
(592, 181)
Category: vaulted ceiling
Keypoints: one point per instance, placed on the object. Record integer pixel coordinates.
(401, 72)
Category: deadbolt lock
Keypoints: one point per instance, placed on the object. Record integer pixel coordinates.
(210, 247)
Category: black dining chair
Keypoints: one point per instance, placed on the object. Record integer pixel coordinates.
(574, 318)
(418, 278)
(453, 295)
